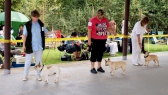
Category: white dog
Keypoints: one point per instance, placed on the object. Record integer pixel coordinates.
(48, 71)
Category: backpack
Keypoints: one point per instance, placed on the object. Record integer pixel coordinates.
(66, 58)
(84, 56)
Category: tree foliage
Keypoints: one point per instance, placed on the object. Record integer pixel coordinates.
(16, 5)
(67, 15)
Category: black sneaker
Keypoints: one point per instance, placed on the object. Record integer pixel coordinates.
(100, 70)
(93, 71)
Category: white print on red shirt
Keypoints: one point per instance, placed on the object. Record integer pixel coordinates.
(101, 29)
(90, 24)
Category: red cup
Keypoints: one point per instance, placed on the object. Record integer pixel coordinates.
(23, 54)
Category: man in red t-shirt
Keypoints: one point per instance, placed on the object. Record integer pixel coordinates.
(97, 36)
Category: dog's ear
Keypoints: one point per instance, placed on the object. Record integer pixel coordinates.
(105, 60)
(108, 59)
(144, 52)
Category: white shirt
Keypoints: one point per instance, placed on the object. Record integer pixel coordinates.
(138, 29)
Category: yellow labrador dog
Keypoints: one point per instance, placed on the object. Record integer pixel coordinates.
(114, 65)
(49, 71)
(148, 58)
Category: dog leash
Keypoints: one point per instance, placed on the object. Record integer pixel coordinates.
(42, 68)
(49, 48)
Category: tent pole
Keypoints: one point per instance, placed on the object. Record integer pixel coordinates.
(7, 36)
(125, 38)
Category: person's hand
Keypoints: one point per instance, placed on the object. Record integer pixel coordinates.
(24, 48)
(89, 43)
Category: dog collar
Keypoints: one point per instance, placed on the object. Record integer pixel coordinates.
(42, 68)
(146, 56)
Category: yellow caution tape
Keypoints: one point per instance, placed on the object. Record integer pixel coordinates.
(5, 41)
(81, 38)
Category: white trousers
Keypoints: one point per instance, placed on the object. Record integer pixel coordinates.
(28, 61)
(113, 47)
(136, 52)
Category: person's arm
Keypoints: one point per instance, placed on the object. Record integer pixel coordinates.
(89, 36)
(139, 41)
(24, 41)
(147, 29)
(13, 43)
(137, 28)
(90, 27)
(112, 30)
(48, 32)
(111, 27)
(24, 37)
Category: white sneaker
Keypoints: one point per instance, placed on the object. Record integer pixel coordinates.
(39, 79)
(137, 64)
(25, 78)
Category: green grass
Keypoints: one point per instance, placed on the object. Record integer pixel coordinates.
(53, 56)
(156, 47)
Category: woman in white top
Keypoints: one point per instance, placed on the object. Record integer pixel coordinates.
(137, 35)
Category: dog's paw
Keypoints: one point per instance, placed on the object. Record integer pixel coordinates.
(46, 81)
